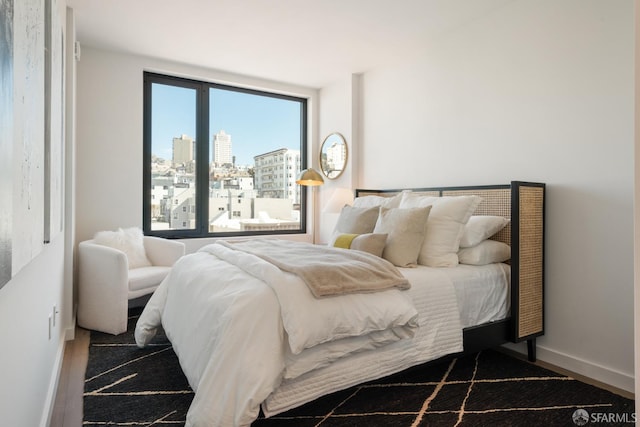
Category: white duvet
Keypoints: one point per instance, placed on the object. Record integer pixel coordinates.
(239, 326)
(439, 334)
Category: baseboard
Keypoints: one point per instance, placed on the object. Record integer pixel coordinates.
(582, 367)
(70, 332)
(53, 383)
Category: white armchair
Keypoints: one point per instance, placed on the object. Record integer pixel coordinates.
(106, 284)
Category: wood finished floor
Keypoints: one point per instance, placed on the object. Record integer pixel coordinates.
(67, 411)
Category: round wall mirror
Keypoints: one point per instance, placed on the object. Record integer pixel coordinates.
(333, 155)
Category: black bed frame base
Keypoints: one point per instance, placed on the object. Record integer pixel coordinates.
(493, 335)
(483, 337)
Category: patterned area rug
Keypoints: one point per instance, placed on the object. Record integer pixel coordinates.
(129, 386)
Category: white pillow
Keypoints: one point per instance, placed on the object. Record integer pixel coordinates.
(130, 241)
(405, 229)
(447, 219)
(486, 252)
(481, 227)
(377, 201)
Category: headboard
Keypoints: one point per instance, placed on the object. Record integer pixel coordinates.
(524, 204)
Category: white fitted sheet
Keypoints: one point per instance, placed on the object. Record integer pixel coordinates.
(483, 292)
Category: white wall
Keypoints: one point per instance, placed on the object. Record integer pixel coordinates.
(31, 355)
(30, 360)
(109, 134)
(540, 91)
(338, 112)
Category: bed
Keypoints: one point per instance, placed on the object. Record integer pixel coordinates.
(260, 340)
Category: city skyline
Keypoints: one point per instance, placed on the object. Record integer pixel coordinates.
(257, 124)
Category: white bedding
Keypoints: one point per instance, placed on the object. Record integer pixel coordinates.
(232, 360)
(439, 334)
(484, 292)
(309, 321)
(236, 362)
(481, 294)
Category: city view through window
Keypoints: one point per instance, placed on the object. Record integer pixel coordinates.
(252, 156)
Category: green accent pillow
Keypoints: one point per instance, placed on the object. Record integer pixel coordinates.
(344, 241)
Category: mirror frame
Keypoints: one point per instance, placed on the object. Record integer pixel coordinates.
(332, 138)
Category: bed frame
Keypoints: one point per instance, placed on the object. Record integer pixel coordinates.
(524, 204)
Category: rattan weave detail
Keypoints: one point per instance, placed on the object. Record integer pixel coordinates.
(494, 202)
(427, 193)
(391, 193)
(365, 193)
(531, 260)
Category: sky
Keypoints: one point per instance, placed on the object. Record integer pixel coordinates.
(257, 124)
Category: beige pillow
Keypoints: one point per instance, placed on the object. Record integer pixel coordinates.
(405, 229)
(447, 219)
(372, 243)
(486, 252)
(356, 220)
(481, 227)
(128, 240)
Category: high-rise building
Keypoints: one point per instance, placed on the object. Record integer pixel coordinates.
(276, 173)
(222, 149)
(183, 150)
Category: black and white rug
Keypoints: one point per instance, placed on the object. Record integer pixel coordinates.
(128, 386)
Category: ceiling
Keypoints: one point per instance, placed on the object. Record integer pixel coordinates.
(305, 42)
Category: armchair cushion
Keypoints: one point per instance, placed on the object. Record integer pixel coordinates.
(141, 279)
(130, 241)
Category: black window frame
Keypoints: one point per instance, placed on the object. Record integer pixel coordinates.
(202, 88)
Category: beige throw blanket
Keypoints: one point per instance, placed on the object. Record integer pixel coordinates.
(326, 270)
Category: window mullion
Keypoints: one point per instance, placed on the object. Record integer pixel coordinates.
(202, 149)
(146, 154)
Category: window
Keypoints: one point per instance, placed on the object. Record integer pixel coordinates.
(208, 147)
